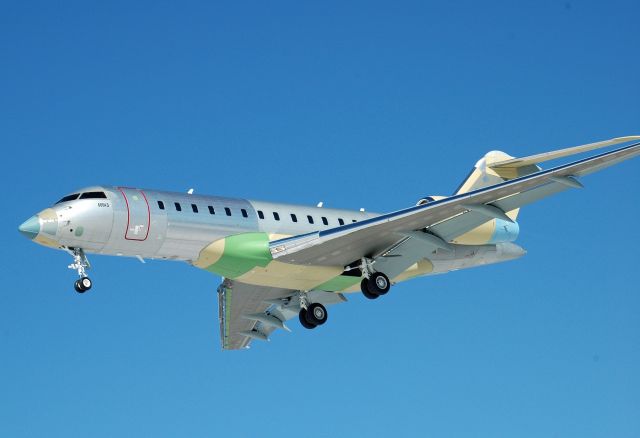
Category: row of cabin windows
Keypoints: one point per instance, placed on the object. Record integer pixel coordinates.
(227, 211)
(194, 208)
(294, 218)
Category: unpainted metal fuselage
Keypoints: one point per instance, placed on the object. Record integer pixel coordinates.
(153, 224)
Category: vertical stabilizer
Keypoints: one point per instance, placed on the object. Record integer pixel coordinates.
(483, 175)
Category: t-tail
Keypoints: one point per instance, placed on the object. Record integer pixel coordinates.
(496, 167)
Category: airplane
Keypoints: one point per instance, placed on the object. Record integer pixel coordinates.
(278, 261)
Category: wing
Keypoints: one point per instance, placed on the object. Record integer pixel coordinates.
(441, 220)
(249, 312)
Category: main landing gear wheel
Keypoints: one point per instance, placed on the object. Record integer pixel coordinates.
(303, 320)
(364, 287)
(313, 316)
(376, 285)
(82, 285)
(316, 314)
(379, 283)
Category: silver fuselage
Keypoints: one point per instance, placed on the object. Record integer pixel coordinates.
(154, 224)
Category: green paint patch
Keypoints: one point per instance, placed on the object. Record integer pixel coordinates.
(242, 253)
(339, 283)
(78, 231)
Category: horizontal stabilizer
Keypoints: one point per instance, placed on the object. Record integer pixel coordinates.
(547, 156)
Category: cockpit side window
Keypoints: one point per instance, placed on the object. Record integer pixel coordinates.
(69, 198)
(93, 195)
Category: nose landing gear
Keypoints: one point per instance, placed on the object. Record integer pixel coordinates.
(82, 285)
(80, 264)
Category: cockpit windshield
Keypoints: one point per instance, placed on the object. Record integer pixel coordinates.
(93, 195)
(69, 198)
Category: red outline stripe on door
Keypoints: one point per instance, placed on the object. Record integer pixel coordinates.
(129, 215)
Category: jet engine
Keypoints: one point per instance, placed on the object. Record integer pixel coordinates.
(428, 199)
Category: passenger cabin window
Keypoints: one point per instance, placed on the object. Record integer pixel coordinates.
(194, 207)
(294, 218)
(69, 198)
(325, 221)
(353, 220)
(178, 207)
(228, 211)
(93, 195)
(260, 214)
(161, 205)
(211, 210)
(310, 219)
(340, 221)
(276, 216)
(244, 213)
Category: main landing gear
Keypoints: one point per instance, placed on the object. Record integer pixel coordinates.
(80, 264)
(375, 286)
(311, 315)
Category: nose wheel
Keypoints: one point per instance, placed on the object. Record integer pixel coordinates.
(82, 285)
(80, 264)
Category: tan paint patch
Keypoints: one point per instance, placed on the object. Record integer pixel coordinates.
(46, 241)
(278, 236)
(48, 214)
(470, 182)
(298, 277)
(210, 254)
(422, 267)
(478, 236)
(354, 288)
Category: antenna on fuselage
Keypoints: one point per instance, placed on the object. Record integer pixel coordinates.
(320, 204)
(190, 192)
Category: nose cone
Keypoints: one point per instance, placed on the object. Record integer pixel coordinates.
(31, 227)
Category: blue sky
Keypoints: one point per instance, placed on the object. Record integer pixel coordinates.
(365, 104)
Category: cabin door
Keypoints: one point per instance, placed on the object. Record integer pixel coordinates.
(138, 214)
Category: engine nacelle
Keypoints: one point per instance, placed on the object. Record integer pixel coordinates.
(428, 199)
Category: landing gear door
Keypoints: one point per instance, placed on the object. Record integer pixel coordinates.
(138, 214)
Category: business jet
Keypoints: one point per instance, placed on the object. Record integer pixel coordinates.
(278, 261)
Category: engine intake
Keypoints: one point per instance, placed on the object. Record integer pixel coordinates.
(428, 199)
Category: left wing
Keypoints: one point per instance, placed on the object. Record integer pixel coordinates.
(443, 220)
(250, 312)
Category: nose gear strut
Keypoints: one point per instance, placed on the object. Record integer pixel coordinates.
(80, 264)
